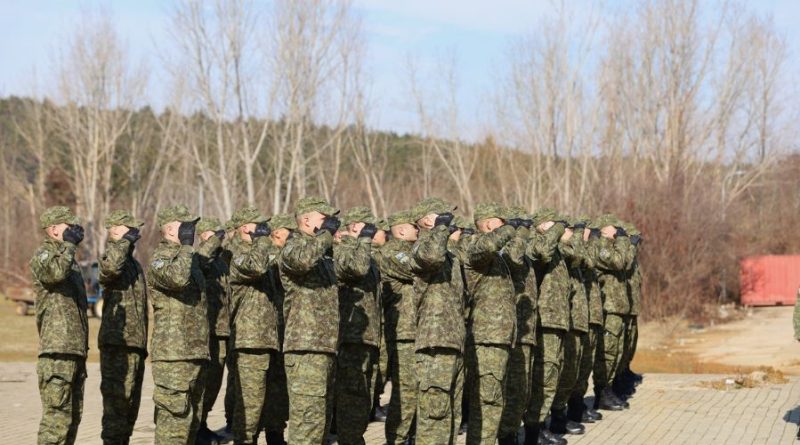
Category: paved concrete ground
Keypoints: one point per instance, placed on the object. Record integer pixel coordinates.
(668, 408)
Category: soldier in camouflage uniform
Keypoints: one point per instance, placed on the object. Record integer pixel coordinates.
(490, 323)
(254, 320)
(180, 350)
(518, 381)
(311, 313)
(276, 413)
(575, 340)
(554, 322)
(613, 260)
(62, 326)
(215, 272)
(123, 328)
(394, 261)
(378, 413)
(359, 325)
(439, 294)
(576, 409)
(625, 381)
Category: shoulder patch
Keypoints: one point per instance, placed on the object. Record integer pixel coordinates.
(157, 264)
(44, 255)
(604, 253)
(402, 257)
(272, 257)
(239, 260)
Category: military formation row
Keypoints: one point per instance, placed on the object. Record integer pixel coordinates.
(313, 314)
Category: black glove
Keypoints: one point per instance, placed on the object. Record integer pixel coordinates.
(452, 229)
(329, 224)
(527, 223)
(514, 222)
(579, 225)
(73, 234)
(132, 235)
(636, 239)
(186, 233)
(262, 229)
(594, 233)
(621, 232)
(220, 234)
(368, 231)
(445, 219)
(467, 231)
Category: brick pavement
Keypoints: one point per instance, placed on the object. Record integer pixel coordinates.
(668, 408)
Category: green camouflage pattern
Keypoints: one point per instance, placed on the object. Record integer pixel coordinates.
(178, 399)
(592, 285)
(358, 214)
(60, 299)
(247, 215)
(276, 413)
(431, 205)
(283, 221)
(439, 292)
(613, 345)
(218, 350)
(121, 376)
(61, 380)
(485, 371)
(216, 272)
(574, 253)
(54, 216)
(122, 218)
(631, 340)
(552, 278)
(491, 306)
(588, 358)
(178, 213)
(613, 260)
(518, 385)
(635, 282)
(208, 225)
(354, 384)
(437, 372)
(573, 355)
(177, 287)
(526, 289)
(310, 384)
(252, 367)
(547, 363)
(359, 291)
(403, 401)
(314, 204)
(125, 306)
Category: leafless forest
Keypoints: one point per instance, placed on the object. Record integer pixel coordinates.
(678, 115)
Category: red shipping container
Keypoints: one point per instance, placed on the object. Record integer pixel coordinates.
(770, 280)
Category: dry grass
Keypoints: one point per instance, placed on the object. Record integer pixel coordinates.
(763, 376)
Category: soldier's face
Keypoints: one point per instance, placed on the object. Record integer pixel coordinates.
(355, 228)
(455, 236)
(170, 231)
(206, 235)
(244, 231)
(311, 221)
(279, 236)
(57, 231)
(586, 234)
(489, 224)
(405, 232)
(116, 232)
(567, 235)
(380, 238)
(608, 231)
(427, 221)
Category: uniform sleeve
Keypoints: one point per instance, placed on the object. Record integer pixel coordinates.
(797, 317)
(352, 258)
(52, 266)
(112, 263)
(395, 264)
(573, 249)
(172, 273)
(251, 263)
(207, 251)
(514, 252)
(613, 256)
(484, 247)
(430, 250)
(302, 252)
(542, 246)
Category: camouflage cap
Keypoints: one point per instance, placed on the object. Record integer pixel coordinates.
(283, 221)
(486, 210)
(122, 218)
(314, 204)
(402, 217)
(543, 215)
(462, 223)
(247, 215)
(208, 224)
(178, 213)
(517, 212)
(431, 205)
(630, 228)
(607, 220)
(57, 215)
(358, 214)
(383, 224)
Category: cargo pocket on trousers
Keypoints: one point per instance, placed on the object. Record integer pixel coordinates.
(491, 390)
(435, 402)
(173, 400)
(58, 392)
(306, 380)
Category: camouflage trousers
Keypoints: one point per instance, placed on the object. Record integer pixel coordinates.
(178, 397)
(587, 360)
(613, 346)
(309, 376)
(631, 338)
(251, 393)
(216, 369)
(547, 363)
(485, 372)
(518, 383)
(573, 356)
(439, 373)
(355, 383)
(121, 375)
(403, 403)
(276, 412)
(230, 388)
(382, 371)
(61, 380)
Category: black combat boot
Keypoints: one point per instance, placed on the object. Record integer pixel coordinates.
(548, 438)
(275, 438)
(608, 401)
(532, 434)
(510, 439)
(559, 424)
(576, 410)
(207, 437)
(592, 415)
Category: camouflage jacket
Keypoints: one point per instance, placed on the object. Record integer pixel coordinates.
(552, 278)
(311, 304)
(125, 307)
(254, 315)
(613, 261)
(574, 254)
(439, 292)
(796, 318)
(592, 284)
(60, 300)
(359, 291)
(397, 297)
(180, 311)
(525, 287)
(492, 300)
(276, 292)
(218, 290)
(635, 282)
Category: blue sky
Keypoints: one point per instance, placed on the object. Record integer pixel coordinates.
(477, 31)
